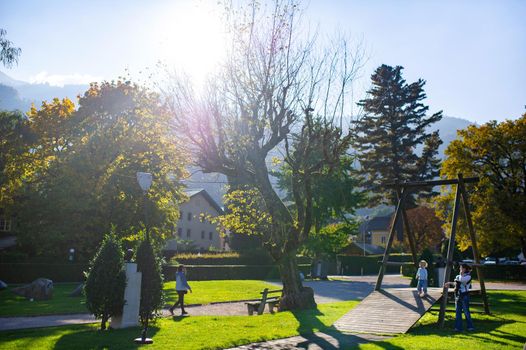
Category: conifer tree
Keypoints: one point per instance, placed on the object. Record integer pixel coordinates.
(106, 281)
(149, 264)
(394, 124)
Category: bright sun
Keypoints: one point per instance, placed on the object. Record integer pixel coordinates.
(191, 38)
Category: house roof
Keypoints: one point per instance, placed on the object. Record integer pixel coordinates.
(191, 192)
(382, 223)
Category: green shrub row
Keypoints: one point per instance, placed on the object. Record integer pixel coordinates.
(256, 258)
(369, 264)
(229, 272)
(28, 272)
(496, 272)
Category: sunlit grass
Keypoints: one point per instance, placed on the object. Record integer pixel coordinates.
(204, 292)
(196, 332)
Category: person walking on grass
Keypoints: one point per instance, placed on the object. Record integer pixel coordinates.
(462, 284)
(181, 287)
(421, 276)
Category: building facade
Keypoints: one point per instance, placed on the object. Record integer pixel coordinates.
(193, 225)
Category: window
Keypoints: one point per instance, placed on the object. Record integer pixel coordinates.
(181, 215)
(210, 235)
(189, 216)
(5, 225)
(383, 239)
(180, 232)
(202, 234)
(188, 233)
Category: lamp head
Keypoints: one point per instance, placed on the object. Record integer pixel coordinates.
(144, 180)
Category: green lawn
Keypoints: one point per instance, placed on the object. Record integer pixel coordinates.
(504, 329)
(196, 332)
(203, 292)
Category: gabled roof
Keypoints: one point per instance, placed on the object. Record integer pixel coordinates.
(191, 192)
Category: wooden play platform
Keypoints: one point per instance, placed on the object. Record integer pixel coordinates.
(388, 311)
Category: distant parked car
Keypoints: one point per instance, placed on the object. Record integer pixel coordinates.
(490, 261)
(468, 261)
(512, 262)
(502, 261)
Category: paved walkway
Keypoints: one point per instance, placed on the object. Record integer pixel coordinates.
(316, 341)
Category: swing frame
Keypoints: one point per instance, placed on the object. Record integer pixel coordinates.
(402, 191)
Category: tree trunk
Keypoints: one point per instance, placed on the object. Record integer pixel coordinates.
(295, 296)
(103, 322)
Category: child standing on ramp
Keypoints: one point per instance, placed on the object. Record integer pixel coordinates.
(421, 276)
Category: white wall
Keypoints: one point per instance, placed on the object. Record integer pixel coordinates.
(195, 206)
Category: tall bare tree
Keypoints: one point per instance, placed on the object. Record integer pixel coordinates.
(277, 90)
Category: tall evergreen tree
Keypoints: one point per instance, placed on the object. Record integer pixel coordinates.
(394, 124)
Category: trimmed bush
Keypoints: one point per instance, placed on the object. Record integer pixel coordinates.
(106, 280)
(353, 264)
(149, 264)
(229, 258)
(229, 272)
(27, 272)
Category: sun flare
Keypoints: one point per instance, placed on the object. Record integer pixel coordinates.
(191, 38)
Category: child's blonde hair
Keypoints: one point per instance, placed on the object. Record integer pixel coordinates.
(423, 262)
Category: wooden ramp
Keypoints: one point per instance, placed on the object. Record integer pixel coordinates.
(388, 311)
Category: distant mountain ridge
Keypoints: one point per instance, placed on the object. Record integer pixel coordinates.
(25, 93)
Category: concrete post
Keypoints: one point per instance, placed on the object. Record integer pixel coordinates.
(132, 299)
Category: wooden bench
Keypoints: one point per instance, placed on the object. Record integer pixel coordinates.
(259, 305)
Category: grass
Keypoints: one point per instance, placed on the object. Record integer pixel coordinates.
(204, 292)
(504, 329)
(196, 332)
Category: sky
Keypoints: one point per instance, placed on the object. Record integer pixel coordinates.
(471, 53)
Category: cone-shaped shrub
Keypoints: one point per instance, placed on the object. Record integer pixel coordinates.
(149, 264)
(106, 281)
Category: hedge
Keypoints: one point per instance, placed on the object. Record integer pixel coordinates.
(496, 272)
(252, 259)
(229, 272)
(28, 272)
(353, 264)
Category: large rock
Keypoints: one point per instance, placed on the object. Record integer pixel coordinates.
(3, 285)
(39, 289)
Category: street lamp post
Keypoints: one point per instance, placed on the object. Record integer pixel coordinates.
(365, 232)
(145, 182)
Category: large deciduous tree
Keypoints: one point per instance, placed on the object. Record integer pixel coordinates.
(76, 179)
(426, 228)
(393, 125)
(497, 153)
(275, 89)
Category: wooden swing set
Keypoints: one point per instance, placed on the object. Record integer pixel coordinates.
(402, 191)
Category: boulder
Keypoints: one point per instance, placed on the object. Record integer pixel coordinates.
(3, 285)
(39, 289)
(77, 292)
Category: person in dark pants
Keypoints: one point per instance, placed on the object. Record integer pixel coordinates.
(462, 285)
(181, 287)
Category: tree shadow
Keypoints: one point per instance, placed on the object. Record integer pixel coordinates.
(315, 332)
(109, 339)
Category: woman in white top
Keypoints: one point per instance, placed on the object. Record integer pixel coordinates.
(181, 287)
(461, 284)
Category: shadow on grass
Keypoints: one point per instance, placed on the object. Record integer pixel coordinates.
(317, 333)
(109, 339)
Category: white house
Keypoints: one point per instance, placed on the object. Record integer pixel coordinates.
(192, 226)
